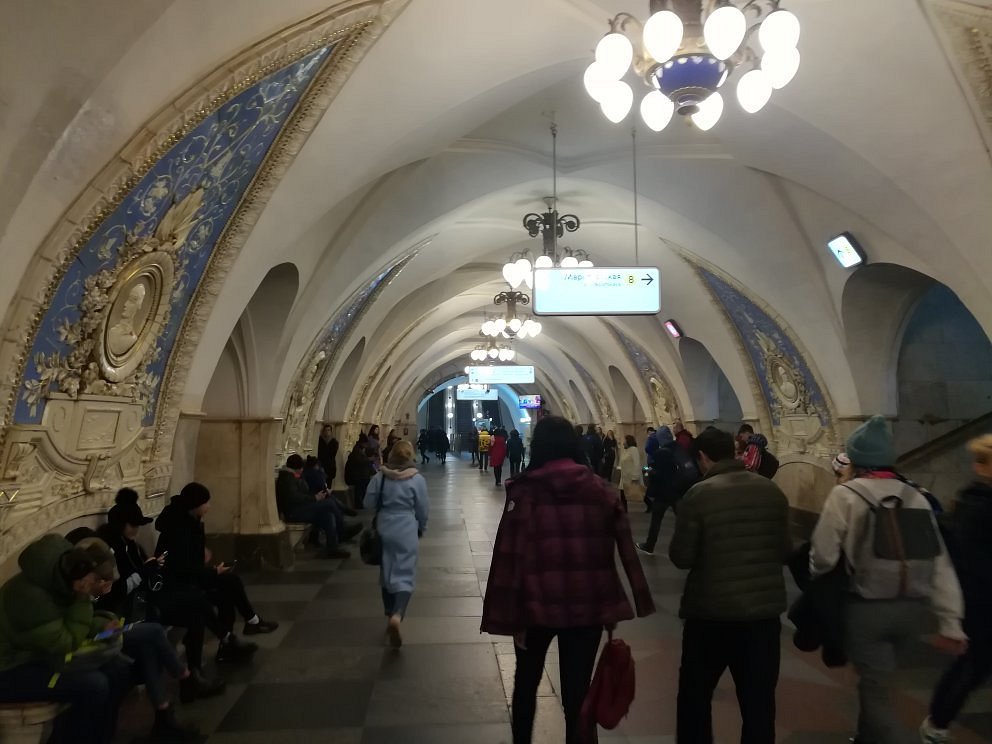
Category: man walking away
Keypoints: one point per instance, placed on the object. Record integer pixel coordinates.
(970, 526)
(665, 485)
(732, 533)
(885, 530)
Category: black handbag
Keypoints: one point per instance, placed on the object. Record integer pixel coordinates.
(370, 542)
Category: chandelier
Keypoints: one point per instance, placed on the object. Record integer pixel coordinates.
(493, 352)
(551, 226)
(686, 51)
(510, 325)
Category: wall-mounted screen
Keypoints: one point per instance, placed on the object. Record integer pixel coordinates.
(530, 401)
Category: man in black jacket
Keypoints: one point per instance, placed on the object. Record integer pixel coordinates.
(327, 453)
(732, 534)
(297, 504)
(666, 485)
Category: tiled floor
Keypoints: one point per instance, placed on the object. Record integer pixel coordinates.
(325, 676)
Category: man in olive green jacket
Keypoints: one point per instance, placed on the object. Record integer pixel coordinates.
(46, 614)
(732, 533)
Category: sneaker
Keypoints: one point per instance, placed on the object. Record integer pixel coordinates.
(336, 554)
(932, 735)
(262, 626)
(166, 728)
(198, 687)
(234, 651)
(350, 530)
(644, 548)
(393, 632)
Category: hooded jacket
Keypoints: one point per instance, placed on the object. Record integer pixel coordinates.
(183, 536)
(554, 556)
(970, 526)
(497, 451)
(327, 454)
(732, 533)
(292, 492)
(41, 618)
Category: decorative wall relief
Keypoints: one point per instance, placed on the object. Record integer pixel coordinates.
(664, 403)
(603, 405)
(797, 406)
(311, 376)
(98, 343)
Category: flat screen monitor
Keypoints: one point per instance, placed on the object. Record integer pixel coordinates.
(530, 401)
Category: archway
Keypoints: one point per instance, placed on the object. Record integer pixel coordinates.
(710, 392)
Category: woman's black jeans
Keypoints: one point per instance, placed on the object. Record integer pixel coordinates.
(577, 648)
(964, 676)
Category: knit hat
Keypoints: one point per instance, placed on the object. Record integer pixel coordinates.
(126, 510)
(193, 495)
(840, 462)
(105, 565)
(870, 446)
(664, 435)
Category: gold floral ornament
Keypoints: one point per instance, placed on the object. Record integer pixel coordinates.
(122, 314)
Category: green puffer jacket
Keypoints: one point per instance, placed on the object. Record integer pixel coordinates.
(732, 533)
(40, 616)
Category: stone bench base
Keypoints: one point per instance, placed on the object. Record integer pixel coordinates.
(26, 723)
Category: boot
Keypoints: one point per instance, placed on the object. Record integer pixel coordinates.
(198, 687)
(166, 728)
(233, 650)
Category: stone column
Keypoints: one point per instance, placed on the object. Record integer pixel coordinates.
(234, 460)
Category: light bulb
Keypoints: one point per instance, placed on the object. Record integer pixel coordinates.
(535, 328)
(515, 324)
(499, 324)
(617, 102)
(709, 112)
(544, 262)
(724, 31)
(780, 66)
(523, 266)
(488, 328)
(510, 354)
(586, 264)
(597, 80)
(467, 369)
(663, 35)
(569, 262)
(754, 91)
(779, 31)
(614, 53)
(511, 275)
(657, 110)
(493, 353)
(451, 415)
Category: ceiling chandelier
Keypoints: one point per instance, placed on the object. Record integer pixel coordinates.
(686, 51)
(493, 352)
(510, 325)
(551, 226)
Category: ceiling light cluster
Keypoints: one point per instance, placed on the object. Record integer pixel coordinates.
(686, 51)
(493, 352)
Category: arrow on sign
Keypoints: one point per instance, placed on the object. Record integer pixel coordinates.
(647, 278)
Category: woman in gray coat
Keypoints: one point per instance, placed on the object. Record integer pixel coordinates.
(398, 493)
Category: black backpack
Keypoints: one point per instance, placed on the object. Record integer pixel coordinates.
(768, 465)
(687, 471)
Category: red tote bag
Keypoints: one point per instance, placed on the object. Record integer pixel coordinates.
(612, 690)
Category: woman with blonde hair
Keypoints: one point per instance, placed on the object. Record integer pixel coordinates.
(398, 493)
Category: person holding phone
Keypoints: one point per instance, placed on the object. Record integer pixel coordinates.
(47, 616)
(188, 566)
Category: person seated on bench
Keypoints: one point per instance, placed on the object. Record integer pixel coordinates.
(188, 569)
(316, 479)
(297, 504)
(48, 650)
(141, 593)
(144, 642)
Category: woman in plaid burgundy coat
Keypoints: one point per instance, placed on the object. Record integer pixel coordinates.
(554, 572)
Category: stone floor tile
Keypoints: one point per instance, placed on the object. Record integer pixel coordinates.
(334, 632)
(300, 705)
(440, 660)
(486, 733)
(324, 736)
(445, 700)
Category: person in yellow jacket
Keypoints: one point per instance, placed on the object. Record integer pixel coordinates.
(484, 443)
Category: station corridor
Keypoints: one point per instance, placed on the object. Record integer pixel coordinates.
(326, 675)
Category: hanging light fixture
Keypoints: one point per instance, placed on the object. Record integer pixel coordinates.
(492, 351)
(551, 226)
(686, 51)
(510, 325)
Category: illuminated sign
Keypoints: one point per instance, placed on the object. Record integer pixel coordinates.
(474, 393)
(530, 401)
(624, 290)
(507, 374)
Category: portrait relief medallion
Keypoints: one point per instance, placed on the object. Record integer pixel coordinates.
(136, 312)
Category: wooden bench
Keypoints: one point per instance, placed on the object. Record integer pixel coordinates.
(27, 723)
(298, 532)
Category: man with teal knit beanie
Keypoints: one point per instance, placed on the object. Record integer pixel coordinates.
(888, 600)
